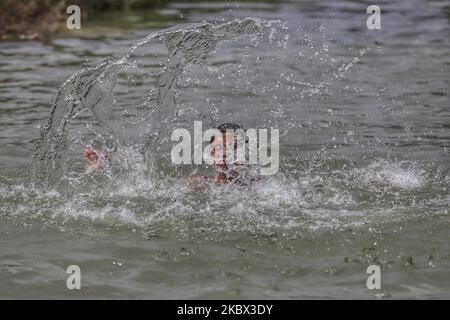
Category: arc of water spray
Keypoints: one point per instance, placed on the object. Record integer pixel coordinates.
(92, 88)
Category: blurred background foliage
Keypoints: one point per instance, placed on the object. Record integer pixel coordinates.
(36, 19)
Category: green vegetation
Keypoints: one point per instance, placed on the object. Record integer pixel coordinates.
(37, 19)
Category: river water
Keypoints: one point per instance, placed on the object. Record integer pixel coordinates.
(364, 120)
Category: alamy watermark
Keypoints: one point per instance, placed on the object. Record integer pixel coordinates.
(74, 280)
(374, 20)
(74, 20)
(231, 147)
(374, 280)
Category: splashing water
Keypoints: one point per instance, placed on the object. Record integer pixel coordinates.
(92, 89)
(137, 99)
(364, 173)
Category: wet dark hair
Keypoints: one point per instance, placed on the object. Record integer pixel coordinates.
(229, 126)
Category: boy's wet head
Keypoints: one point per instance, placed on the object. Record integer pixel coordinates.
(219, 144)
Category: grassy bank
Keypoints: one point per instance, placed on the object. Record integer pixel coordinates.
(38, 19)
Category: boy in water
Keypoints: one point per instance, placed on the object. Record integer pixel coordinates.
(227, 172)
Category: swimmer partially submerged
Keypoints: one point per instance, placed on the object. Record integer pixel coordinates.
(228, 172)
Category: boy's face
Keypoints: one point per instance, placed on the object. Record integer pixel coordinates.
(219, 149)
